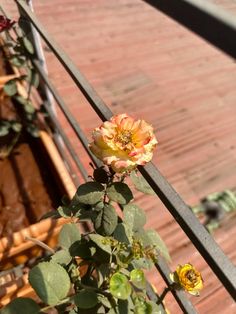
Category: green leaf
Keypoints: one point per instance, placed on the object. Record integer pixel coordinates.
(99, 206)
(138, 279)
(21, 100)
(123, 307)
(28, 107)
(101, 256)
(86, 215)
(147, 307)
(21, 306)
(83, 249)
(3, 131)
(101, 242)
(16, 126)
(142, 236)
(119, 192)
(212, 225)
(26, 103)
(119, 286)
(86, 299)
(157, 241)
(123, 233)
(78, 209)
(50, 281)
(64, 211)
(62, 257)
(97, 221)
(141, 184)
(142, 263)
(134, 217)
(4, 128)
(225, 206)
(28, 45)
(32, 130)
(17, 61)
(10, 88)
(106, 220)
(197, 209)
(124, 258)
(103, 273)
(68, 235)
(230, 198)
(34, 78)
(65, 200)
(104, 301)
(90, 193)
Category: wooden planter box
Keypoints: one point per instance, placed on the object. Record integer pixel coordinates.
(16, 249)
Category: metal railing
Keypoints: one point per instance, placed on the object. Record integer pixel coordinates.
(204, 243)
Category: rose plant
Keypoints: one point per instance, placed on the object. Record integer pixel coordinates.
(102, 270)
(18, 52)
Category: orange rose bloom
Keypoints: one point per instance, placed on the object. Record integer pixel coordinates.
(188, 278)
(123, 143)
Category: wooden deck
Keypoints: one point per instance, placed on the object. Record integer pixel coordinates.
(146, 65)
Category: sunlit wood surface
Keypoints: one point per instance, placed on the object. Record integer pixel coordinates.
(143, 63)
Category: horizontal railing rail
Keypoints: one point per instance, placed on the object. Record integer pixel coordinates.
(205, 244)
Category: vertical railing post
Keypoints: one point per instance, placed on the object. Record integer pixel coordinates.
(31, 32)
(34, 37)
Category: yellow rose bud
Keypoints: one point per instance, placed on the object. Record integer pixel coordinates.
(188, 278)
(123, 143)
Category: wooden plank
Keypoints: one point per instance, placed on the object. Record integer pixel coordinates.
(145, 64)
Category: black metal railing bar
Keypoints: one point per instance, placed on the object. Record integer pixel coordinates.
(206, 245)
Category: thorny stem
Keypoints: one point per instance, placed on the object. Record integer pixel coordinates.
(87, 233)
(29, 90)
(30, 83)
(59, 303)
(39, 243)
(81, 285)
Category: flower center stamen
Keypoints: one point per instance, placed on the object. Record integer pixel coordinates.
(191, 275)
(124, 137)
